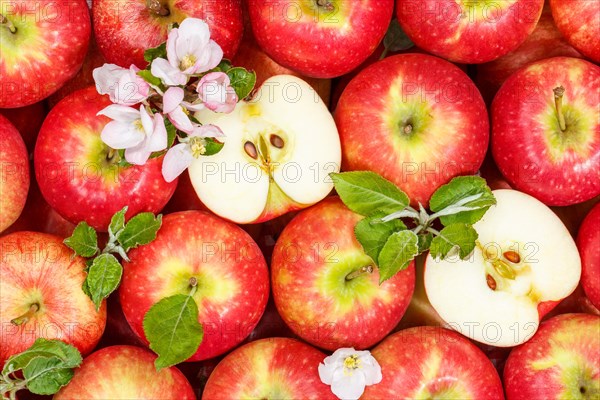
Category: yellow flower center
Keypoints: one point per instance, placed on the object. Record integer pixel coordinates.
(187, 62)
(197, 146)
(351, 363)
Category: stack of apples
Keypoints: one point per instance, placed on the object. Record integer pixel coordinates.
(425, 91)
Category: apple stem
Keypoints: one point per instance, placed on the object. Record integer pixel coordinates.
(367, 269)
(27, 316)
(157, 8)
(111, 154)
(6, 22)
(326, 4)
(558, 96)
(194, 284)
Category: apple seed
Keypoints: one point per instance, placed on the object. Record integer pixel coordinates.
(512, 256)
(491, 282)
(250, 149)
(276, 141)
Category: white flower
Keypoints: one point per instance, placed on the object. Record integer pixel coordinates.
(348, 372)
(123, 86)
(189, 51)
(216, 92)
(139, 133)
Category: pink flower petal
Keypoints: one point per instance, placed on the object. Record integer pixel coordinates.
(120, 113)
(107, 76)
(181, 120)
(137, 155)
(171, 51)
(177, 159)
(169, 74)
(119, 135)
(146, 120)
(208, 130)
(172, 98)
(158, 140)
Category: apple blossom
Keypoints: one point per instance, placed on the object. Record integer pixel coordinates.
(123, 86)
(137, 132)
(216, 92)
(348, 371)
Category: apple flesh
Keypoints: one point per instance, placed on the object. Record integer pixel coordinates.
(123, 373)
(558, 164)
(316, 287)
(588, 242)
(562, 361)
(233, 281)
(43, 45)
(38, 273)
(279, 150)
(124, 29)
(320, 38)
(79, 175)
(524, 258)
(415, 119)
(470, 32)
(14, 174)
(275, 368)
(433, 363)
(578, 21)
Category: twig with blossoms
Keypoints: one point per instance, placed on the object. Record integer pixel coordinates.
(185, 74)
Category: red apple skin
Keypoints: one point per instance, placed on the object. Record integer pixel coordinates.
(28, 121)
(47, 49)
(566, 169)
(448, 116)
(566, 347)
(588, 242)
(125, 372)
(269, 368)
(232, 278)
(74, 175)
(126, 28)
(312, 257)
(578, 21)
(313, 43)
(545, 42)
(426, 362)
(14, 174)
(481, 34)
(38, 268)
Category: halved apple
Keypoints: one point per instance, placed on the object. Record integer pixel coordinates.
(279, 150)
(524, 257)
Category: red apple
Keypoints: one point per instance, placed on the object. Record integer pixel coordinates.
(43, 46)
(269, 369)
(415, 119)
(14, 174)
(313, 288)
(433, 363)
(588, 242)
(232, 278)
(320, 38)
(79, 175)
(42, 296)
(126, 28)
(28, 121)
(470, 32)
(545, 42)
(123, 373)
(557, 161)
(562, 361)
(578, 21)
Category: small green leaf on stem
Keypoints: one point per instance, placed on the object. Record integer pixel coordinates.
(213, 146)
(148, 77)
(103, 278)
(117, 222)
(456, 236)
(454, 197)
(140, 230)
(397, 253)
(242, 81)
(156, 52)
(425, 242)
(372, 233)
(83, 241)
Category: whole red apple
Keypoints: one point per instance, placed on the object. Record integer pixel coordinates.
(588, 242)
(470, 32)
(546, 131)
(578, 21)
(433, 363)
(317, 286)
(42, 296)
(124, 373)
(43, 45)
(562, 361)
(320, 38)
(415, 119)
(126, 28)
(79, 175)
(14, 174)
(275, 368)
(28, 121)
(233, 282)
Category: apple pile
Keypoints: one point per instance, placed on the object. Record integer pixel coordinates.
(300, 199)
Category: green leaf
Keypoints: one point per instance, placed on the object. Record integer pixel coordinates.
(457, 192)
(44, 348)
(372, 233)
(224, 66)
(212, 146)
(117, 222)
(140, 230)
(46, 376)
(242, 81)
(86, 289)
(171, 133)
(397, 253)
(156, 52)
(83, 241)
(172, 328)
(148, 77)
(365, 193)
(103, 277)
(424, 242)
(396, 39)
(461, 236)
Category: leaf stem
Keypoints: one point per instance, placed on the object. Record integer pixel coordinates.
(367, 269)
(558, 96)
(27, 316)
(434, 231)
